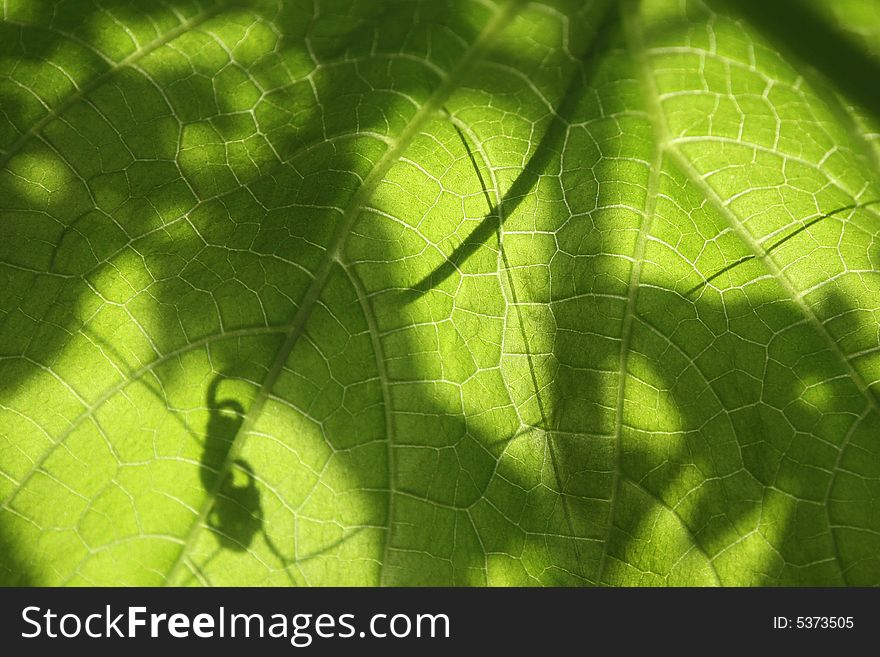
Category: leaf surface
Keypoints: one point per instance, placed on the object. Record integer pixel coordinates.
(446, 292)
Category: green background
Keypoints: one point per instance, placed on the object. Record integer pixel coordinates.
(441, 292)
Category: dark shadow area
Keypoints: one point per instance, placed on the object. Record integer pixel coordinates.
(778, 443)
(50, 31)
(40, 288)
(236, 515)
(14, 571)
(799, 29)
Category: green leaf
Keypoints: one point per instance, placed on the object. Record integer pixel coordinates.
(442, 292)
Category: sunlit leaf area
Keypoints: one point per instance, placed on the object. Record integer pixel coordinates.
(440, 292)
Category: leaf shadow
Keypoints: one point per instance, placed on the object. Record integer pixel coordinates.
(236, 516)
(743, 464)
(44, 299)
(774, 458)
(806, 224)
(15, 569)
(564, 497)
(799, 29)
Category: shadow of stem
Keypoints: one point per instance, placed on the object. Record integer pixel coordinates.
(807, 223)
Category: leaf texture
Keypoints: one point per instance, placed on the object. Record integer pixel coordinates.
(436, 292)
